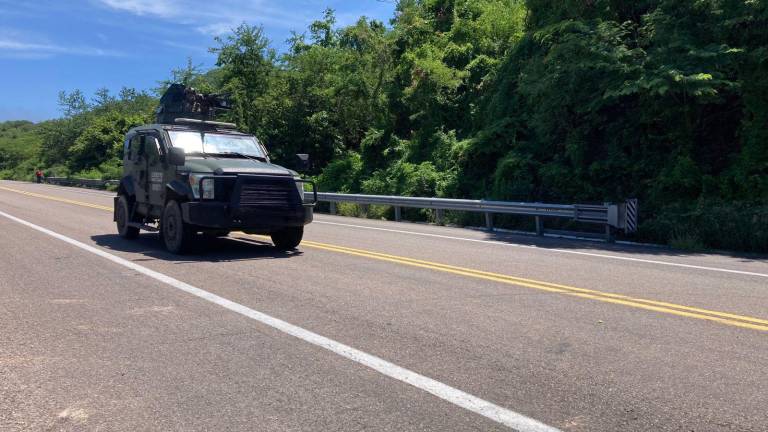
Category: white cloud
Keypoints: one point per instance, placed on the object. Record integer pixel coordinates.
(217, 29)
(214, 17)
(23, 49)
(163, 8)
(211, 18)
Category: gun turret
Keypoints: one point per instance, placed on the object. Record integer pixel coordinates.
(180, 101)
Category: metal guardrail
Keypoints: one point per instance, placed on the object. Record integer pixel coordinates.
(612, 216)
(89, 183)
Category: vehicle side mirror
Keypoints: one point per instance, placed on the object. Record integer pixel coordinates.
(177, 156)
(302, 162)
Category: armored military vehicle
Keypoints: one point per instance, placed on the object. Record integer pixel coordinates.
(188, 175)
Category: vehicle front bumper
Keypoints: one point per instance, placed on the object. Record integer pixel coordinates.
(219, 215)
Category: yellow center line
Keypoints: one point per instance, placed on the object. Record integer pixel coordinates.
(53, 198)
(606, 297)
(652, 305)
(538, 284)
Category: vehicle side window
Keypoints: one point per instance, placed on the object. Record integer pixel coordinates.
(131, 150)
(151, 149)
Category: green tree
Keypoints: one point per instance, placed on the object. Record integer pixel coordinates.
(247, 64)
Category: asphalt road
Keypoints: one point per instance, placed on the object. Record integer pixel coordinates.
(372, 325)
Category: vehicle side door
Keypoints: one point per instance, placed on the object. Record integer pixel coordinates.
(136, 165)
(156, 170)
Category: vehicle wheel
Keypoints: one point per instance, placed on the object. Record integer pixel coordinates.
(288, 238)
(177, 235)
(123, 217)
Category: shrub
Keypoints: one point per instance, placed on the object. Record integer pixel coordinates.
(710, 224)
(342, 175)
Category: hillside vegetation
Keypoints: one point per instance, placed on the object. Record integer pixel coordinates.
(19, 146)
(537, 100)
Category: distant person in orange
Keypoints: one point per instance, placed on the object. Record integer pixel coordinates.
(39, 175)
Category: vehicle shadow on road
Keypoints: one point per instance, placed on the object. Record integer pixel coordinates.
(223, 249)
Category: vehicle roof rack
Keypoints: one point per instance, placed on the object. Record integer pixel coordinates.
(204, 123)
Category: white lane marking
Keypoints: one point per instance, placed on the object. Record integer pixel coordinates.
(455, 396)
(492, 242)
(499, 243)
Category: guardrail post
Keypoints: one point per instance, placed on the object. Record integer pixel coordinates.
(610, 234)
(440, 216)
(630, 216)
(489, 221)
(333, 208)
(539, 226)
(398, 214)
(364, 210)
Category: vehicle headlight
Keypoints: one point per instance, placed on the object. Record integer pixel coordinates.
(207, 187)
(299, 187)
(204, 182)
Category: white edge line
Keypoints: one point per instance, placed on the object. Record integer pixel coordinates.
(498, 243)
(492, 242)
(457, 397)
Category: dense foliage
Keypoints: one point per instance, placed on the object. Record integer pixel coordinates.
(543, 100)
(19, 144)
(87, 142)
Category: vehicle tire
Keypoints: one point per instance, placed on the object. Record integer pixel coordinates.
(288, 238)
(122, 214)
(177, 235)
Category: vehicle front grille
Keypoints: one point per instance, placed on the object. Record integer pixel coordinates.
(274, 194)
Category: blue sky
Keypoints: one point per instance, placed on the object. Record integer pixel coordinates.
(52, 45)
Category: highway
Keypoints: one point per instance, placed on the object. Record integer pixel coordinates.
(370, 326)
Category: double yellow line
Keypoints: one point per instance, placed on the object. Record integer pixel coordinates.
(639, 303)
(53, 198)
(652, 305)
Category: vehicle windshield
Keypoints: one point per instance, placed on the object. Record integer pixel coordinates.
(213, 143)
